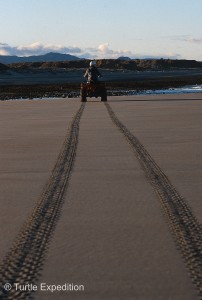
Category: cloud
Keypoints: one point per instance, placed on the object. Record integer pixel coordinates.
(101, 51)
(193, 40)
(37, 48)
(3, 51)
(104, 50)
(169, 55)
(174, 37)
(186, 38)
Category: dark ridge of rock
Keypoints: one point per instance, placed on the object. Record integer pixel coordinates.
(3, 67)
(132, 64)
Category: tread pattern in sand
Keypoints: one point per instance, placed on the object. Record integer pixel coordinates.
(184, 226)
(25, 259)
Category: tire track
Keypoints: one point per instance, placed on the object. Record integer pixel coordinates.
(25, 259)
(184, 226)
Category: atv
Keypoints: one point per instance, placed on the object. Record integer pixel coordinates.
(93, 89)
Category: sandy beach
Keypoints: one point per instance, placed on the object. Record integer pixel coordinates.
(111, 233)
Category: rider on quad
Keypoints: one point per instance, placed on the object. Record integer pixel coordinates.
(92, 73)
(93, 87)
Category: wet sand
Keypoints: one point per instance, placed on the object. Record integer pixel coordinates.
(51, 76)
(112, 236)
(32, 133)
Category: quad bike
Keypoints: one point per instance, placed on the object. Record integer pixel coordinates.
(93, 89)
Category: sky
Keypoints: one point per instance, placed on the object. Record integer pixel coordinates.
(102, 28)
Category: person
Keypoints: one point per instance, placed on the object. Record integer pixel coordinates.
(92, 73)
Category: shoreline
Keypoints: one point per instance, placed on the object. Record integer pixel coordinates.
(30, 95)
(55, 85)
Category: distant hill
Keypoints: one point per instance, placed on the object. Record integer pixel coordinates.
(123, 58)
(49, 57)
(54, 61)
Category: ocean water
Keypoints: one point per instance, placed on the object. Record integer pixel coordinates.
(181, 90)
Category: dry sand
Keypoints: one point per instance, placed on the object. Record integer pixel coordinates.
(112, 236)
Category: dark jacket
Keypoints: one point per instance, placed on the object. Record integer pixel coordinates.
(92, 74)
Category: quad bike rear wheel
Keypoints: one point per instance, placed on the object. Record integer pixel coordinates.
(90, 89)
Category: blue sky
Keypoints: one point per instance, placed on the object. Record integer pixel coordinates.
(102, 28)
